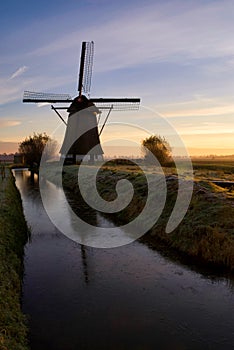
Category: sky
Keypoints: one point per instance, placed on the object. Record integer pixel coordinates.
(176, 55)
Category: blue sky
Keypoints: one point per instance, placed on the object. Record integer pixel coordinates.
(178, 56)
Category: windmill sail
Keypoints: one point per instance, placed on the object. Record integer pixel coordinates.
(86, 66)
(37, 97)
(117, 104)
(82, 129)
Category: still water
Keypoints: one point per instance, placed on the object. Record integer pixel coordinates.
(130, 297)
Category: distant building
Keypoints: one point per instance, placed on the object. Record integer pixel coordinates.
(6, 158)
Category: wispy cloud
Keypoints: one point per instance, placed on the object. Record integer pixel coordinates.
(19, 72)
(42, 104)
(12, 90)
(179, 32)
(198, 106)
(174, 49)
(9, 123)
(155, 33)
(199, 111)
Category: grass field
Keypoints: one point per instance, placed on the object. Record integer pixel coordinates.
(214, 169)
(207, 230)
(13, 236)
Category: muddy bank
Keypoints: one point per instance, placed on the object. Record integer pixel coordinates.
(13, 236)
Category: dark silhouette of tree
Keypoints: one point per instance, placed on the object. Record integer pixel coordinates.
(33, 146)
(157, 147)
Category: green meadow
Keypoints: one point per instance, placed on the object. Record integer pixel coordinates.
(207, 231)
(13, 236)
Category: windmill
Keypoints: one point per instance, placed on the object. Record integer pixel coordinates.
(84, 84)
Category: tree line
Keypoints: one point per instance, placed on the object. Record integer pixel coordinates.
(154, 146)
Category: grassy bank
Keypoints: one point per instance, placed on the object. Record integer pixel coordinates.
(207, 230)
(13, 236)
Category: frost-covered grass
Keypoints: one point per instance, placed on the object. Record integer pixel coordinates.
(207, 230)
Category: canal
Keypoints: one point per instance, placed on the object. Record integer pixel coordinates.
(130, 297)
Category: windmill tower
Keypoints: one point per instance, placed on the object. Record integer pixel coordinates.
(82, 127)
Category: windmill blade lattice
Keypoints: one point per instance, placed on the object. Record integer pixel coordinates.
(84, 84)
(86, 66)
(39, 97)
(117, 104)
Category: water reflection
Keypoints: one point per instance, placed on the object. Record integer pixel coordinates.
(131, 297)
(216, 274)
(87, 231)
(85, 263)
